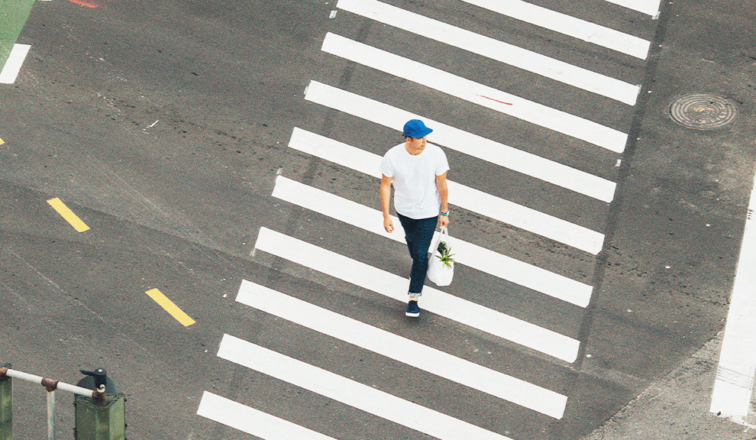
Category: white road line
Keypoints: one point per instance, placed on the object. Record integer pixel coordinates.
(462, 196)
(462, 88)
(737, 360)
(568, 25)
(350, 392)
(435, 301)
(403, 350)
(13, 64)
(525, 218)
(471, 255)
(650, 7)
(488, 47)
(464, 142)
(252, 421)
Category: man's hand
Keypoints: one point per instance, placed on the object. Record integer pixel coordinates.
(388, 225)
(443, 220)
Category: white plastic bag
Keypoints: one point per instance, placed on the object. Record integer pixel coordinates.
(440, 272)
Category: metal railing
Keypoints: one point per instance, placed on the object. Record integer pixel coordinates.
(97, 396)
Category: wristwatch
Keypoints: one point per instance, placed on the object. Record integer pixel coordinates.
(445, 214)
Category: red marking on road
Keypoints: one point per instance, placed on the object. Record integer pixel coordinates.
(501, 102)
(83, 3)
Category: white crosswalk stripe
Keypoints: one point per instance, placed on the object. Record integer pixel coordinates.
(403, 350)
(476, 93)
(497, 50)
(464, 142)
(252, 421)
(477, 257)
(352, 393)
(568, 25)
(459, 195)
(525, 218)
(435, 301)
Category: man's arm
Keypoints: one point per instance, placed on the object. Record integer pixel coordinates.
(443, 192)
(388, 225)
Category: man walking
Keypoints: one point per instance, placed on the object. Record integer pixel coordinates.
(418, 172)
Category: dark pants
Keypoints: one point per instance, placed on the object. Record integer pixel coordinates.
(418, 234)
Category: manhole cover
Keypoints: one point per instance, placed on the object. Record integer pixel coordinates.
(703, 111)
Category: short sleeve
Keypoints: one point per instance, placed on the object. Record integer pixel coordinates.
(387, 168)
(442, 164)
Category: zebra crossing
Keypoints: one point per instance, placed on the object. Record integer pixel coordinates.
(349, 392)
(468, 254)
(472, 42)
(464, 142)
(568, 294)
(575, 27)
(402, 349)
(436, 301)
(476, 93)
(468, 198)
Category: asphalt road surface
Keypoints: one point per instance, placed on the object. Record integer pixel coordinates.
(222, 157)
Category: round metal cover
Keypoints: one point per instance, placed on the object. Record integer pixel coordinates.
(703, 111)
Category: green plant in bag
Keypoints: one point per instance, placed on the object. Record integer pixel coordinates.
(445, 254)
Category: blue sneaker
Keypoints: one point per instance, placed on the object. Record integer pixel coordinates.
(413, 310)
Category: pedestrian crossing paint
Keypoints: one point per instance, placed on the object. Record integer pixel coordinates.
(464, 142)
(434, 301)
(488, 47)
(350, 392)
(403, 350)
(525, 218)
(13, 64)
(568, 25)
(461, 312)
(252, 421)
(468, 254)
(476, 93)
(459, 195)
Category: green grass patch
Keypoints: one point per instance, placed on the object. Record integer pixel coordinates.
(13, 15)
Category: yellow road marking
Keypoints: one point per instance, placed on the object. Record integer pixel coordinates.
(1, 142)
(68, 215)
(169, 307)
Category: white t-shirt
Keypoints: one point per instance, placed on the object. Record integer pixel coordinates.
(414, 179)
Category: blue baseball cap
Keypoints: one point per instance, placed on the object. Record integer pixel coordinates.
(415, 128)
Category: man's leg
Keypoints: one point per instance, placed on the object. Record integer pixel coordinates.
(421, 241)
(418, 234)
(408, 225)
